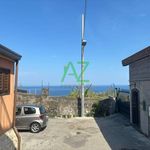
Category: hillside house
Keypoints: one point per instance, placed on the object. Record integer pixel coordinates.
(8, 87)
(139, 78)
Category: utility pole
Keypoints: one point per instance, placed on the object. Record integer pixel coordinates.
(83, 44)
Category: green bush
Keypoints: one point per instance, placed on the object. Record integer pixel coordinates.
(75, 93)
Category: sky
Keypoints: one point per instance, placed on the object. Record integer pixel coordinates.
(47, 33)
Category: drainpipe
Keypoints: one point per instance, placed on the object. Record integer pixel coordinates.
(15, 99)
(130, 97)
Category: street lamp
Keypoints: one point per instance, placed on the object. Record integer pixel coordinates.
(83, 44)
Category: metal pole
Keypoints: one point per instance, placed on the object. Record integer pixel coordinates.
(82, 68)
(83, 43)
(15, 93)
(14, 111)
(82, 82)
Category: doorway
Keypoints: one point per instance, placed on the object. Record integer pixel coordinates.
(135, 107)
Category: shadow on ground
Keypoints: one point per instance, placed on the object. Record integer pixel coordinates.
(120, 135)
(25, 130)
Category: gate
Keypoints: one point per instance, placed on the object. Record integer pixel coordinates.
(123, 102)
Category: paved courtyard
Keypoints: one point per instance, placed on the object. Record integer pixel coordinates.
(107, 133)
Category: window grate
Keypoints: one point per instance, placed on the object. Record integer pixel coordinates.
(4, 81)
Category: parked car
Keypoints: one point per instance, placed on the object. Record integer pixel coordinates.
(31, 117)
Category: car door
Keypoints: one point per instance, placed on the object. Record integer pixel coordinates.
(28, 116)
(19, 123)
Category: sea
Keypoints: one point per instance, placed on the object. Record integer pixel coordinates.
(66, 90)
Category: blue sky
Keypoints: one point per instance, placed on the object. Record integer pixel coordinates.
(47, 33)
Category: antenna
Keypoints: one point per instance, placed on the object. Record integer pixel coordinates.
(42, 84)
(84, 18)
(48, 89)
(83, 43)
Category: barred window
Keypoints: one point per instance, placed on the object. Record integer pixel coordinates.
(4, 81)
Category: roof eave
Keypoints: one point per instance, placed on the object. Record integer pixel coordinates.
(137, 56)
(9, 53)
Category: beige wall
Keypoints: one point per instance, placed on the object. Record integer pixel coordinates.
(7, 101)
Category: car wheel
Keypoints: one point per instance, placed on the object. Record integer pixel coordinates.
(35, 127)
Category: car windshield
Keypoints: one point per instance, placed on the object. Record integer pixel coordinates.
(42, 110)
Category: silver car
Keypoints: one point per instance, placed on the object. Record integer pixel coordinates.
(30, 117)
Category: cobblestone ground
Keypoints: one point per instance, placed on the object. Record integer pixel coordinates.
(107, 133)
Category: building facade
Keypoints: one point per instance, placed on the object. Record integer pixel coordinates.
(8, 86)
(139, 78)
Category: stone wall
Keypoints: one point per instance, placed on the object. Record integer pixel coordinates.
(65, 106)
(140, 81)
(143, 97)
(8, 141)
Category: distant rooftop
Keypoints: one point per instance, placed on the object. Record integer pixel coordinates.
(9, 53)
(137, 56)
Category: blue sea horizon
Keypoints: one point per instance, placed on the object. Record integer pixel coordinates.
(64, 90)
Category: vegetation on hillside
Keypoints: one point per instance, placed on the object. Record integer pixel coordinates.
(89, 93)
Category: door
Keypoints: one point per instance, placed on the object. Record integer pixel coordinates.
(18, 117)
(135, 107)
(29, 116)
(24, 117)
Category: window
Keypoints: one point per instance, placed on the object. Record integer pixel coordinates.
(4, 81)
(29, 110)
(42, 110)
(18, 111)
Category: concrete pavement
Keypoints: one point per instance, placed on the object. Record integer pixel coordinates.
(113, 132)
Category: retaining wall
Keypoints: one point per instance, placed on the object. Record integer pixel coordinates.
(65, 106)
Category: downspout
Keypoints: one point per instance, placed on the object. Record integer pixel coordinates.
(15, 99)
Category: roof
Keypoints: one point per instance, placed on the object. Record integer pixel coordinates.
(29, 105)
(9, 53)
(137, 56)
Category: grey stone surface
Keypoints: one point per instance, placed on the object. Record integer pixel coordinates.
(8, 140)
(113, 132)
